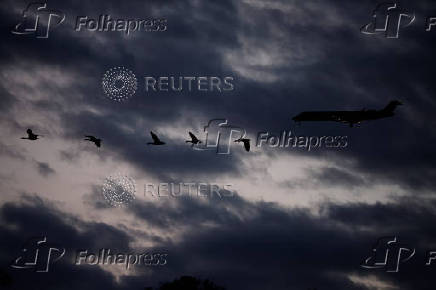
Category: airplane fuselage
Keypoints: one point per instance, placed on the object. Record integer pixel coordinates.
(351, 117)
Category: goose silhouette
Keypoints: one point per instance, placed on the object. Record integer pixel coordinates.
(246, 143)
(156, 140)
(31, 136)
(93, 139)
(194, 140)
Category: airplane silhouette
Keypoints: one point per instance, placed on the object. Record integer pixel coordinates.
(194, 140)
(246, 143)
(156, 140)
(93, 139)
(350, 117)
(188, 283)
(30, 135)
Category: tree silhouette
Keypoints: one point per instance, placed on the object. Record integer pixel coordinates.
(5, 279)
(188, 283)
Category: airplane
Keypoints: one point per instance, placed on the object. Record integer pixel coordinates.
(156, 140)
(349, 117)
(31, 136)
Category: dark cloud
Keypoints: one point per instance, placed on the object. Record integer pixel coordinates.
(196, 47)
(68, 156)
(251, 246)
(44, 169)
(261, 245)
(286, 57)
(37, 218)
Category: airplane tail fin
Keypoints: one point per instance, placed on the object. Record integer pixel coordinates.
(390, 108)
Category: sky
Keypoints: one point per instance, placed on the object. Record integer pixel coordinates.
(291, 218)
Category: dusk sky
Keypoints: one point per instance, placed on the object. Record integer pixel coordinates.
(290, 218)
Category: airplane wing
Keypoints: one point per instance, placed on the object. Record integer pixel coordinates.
(317, 116)
(349, 116)
(337, 116)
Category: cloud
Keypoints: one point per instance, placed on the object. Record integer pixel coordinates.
(44, 169)
(331, 176)
(286, 57)
(10, 151)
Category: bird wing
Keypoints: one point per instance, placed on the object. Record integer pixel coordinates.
(194, 139)
(91, 138)
(98, 142)
(247, 145)
(154, 137)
